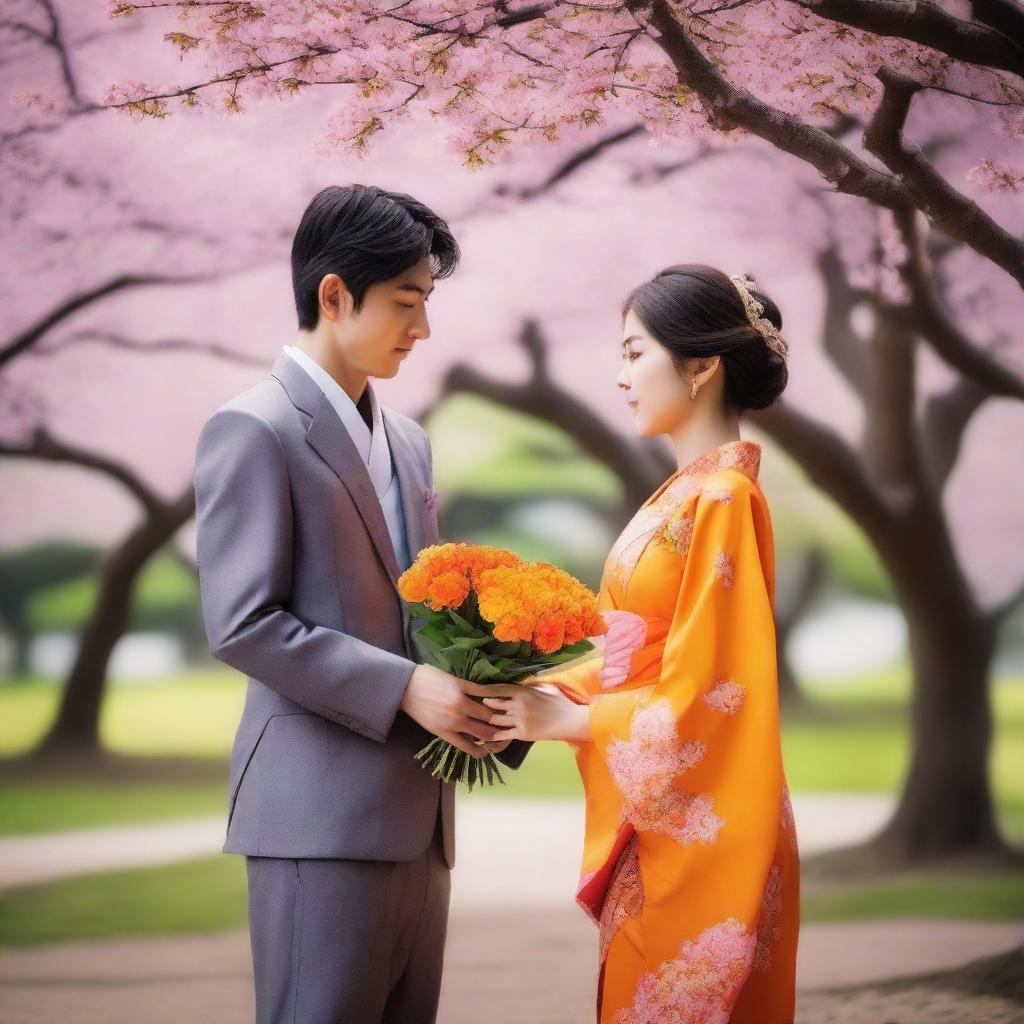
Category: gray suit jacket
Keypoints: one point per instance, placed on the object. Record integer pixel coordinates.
(297, 577)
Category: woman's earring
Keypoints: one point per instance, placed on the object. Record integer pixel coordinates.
(693, 390)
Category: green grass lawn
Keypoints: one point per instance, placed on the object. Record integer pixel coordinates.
(855, 741)
(208, 895)
(196, 896)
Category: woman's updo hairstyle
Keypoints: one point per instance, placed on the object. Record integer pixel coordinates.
(696, 311)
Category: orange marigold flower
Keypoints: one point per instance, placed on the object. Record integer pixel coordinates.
(549, 635)
(412, 585)
(537, 604)
(540, 604)
(466, 560)
(447, 590)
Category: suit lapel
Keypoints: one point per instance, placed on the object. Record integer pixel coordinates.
(411, 481)
(327, 435)
(329, 438)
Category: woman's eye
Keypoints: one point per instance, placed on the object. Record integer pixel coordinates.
(406, 305)
(633, 355)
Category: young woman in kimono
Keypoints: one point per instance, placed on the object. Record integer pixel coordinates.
(690, 863)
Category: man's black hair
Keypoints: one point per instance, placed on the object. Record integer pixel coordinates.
(364, 235)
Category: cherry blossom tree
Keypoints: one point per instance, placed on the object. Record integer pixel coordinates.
(500, 72)
(889, 285)
(58, 199)
(918, 249)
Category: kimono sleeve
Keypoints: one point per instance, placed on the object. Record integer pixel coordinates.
(581, 682)
(719, 648)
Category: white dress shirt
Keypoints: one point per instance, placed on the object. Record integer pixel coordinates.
(372, 446)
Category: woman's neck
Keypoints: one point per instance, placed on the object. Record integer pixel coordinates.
(700, 435)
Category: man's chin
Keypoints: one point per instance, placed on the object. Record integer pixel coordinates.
(388, 370)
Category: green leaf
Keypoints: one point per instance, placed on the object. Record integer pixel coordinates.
(519, 671)
(469, 642)
(421, 610)
(517, 650)
(458, 660)
(434, 634)
(566, 654)
(466, 628)
(483, 671)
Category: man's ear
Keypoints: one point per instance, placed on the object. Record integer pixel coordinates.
(336, 300)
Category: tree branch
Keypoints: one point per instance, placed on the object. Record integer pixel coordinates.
(1003, 15)
(830, 463)
(27, 338)
(943, 421)
(44, 447)
(640, 471)
(163, 345)
(839, 340)
(728, 106)
(890, 431)
(949, 209)
(568, 167)
(922, 21)
(935, 324)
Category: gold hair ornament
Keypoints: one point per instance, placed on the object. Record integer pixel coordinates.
(755, 314)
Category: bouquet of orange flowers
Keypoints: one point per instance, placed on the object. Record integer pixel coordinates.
(493, 618)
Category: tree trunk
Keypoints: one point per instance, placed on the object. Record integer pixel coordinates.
(790, 694)
(76, 727)
(21, 639)
(812, 571)
(946, 805)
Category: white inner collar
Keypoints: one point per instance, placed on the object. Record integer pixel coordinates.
(372, 445)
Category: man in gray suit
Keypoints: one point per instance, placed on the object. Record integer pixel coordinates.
(311, 500)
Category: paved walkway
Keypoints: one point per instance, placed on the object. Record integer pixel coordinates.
(489, 828)
(519, 952)
(510, 967)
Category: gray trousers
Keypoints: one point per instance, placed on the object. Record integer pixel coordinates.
(348, 941)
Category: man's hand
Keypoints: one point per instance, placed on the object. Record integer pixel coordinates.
(444, 705)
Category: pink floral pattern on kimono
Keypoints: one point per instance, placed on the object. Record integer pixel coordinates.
(701, 984)
(725, 696)
(646, 767)
(768, 929)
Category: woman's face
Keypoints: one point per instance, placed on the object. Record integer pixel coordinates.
(656, 391)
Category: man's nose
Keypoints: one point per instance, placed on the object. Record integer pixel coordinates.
(420, 329)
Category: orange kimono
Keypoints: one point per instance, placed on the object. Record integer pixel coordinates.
(690, 863)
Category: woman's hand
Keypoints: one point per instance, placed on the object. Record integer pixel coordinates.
(532, 713)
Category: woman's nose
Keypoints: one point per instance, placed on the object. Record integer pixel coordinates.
(622, 380)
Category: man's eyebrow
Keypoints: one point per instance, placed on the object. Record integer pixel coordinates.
(412, 286)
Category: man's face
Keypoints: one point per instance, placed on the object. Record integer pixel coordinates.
(374, 339)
